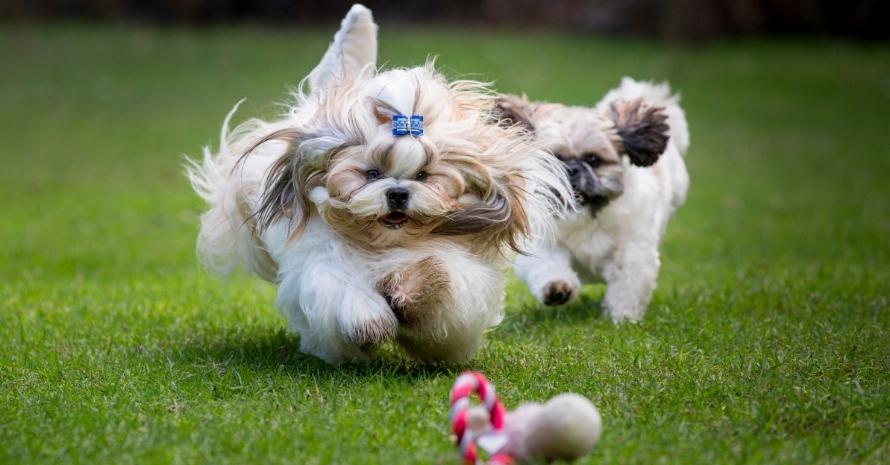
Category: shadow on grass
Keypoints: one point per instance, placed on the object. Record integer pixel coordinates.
(588, 307)
(279, 351)
(261, 348)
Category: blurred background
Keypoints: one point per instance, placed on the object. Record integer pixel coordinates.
(100, 100)
(676, 19)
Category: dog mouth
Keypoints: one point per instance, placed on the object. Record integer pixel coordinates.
(394, 220)
(593, 203)
(588, 189)
(582, 198)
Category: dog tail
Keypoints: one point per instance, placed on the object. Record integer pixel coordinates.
(353, 51)
(230, 184)
(654, 95)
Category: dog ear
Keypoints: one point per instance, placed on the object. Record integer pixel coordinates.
(501, 218)
(643, 131)
(282, 198)
(513, 109)
(353, 50)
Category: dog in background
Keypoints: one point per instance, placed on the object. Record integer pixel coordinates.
(624, 158)
(373, 228)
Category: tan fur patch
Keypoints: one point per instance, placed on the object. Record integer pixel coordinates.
(413, 288)
(514, 110)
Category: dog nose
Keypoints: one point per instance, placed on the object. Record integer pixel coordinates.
(397, 198)
(574, 172)
(573, 167)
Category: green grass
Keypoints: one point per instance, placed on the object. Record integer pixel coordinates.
(766, 342)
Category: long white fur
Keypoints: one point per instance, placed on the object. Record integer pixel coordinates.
(620, 245)
(326, 285)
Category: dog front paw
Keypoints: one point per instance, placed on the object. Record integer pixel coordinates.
(409, 290)
(558, 293)
(371, 332)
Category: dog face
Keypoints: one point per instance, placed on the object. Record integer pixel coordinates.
(455, 179)
(592, 144)
(464, 178)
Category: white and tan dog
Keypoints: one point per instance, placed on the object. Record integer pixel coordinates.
(367, 235)
(625, 161)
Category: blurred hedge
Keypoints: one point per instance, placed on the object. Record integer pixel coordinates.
(680, 19)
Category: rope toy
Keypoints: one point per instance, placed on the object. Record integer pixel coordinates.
(566, 427)
(467, 384)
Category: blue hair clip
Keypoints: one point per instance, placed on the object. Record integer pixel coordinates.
(416, 125)
(403, 125)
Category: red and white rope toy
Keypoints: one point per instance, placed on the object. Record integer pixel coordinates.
(565, 427)
(467, 384)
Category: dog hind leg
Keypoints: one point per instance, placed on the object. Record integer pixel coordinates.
(630, 278)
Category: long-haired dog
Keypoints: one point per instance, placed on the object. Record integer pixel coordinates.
(624, 158)
(369, 233)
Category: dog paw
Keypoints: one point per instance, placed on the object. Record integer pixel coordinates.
(409, 290)
(619, 316)
(372, 332)
(558, 293)
(625, 319)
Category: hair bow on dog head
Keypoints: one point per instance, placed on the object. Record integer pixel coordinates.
(403, 125)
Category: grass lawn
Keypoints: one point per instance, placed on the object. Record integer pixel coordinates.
(766, 342)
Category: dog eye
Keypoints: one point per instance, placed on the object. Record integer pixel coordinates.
(421, 176)
(591, 160)
(372, 174)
